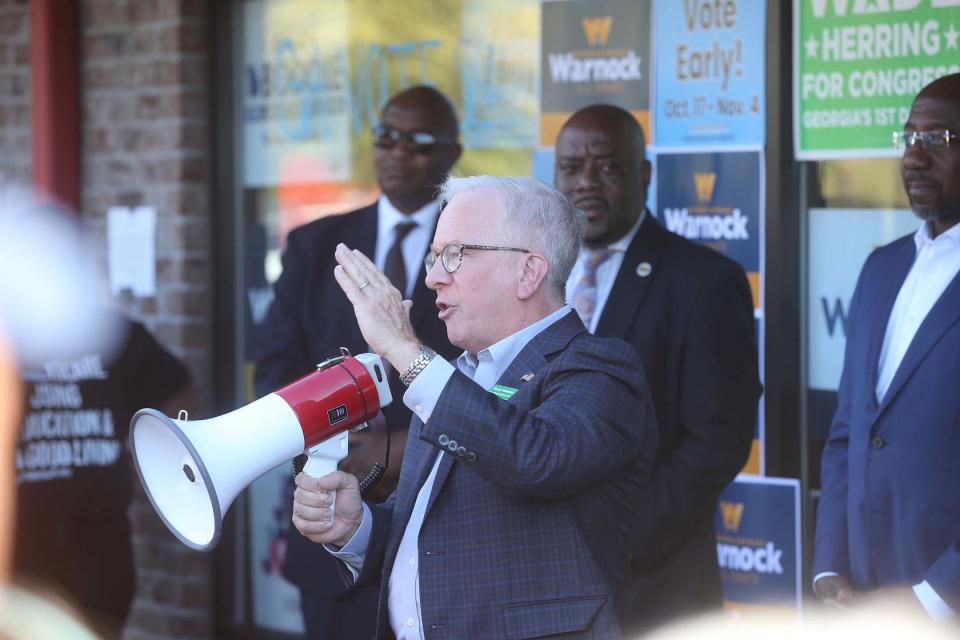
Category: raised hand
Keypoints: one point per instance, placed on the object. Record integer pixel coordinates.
(382, 313)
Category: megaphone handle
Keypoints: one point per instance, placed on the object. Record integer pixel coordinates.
(323, 458)
(318, 465)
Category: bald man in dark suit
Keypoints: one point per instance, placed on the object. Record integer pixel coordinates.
(688, 312)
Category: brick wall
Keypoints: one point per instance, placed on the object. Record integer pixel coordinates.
(144, 97)
(14, 91)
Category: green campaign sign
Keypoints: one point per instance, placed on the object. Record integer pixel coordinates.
(858, 65)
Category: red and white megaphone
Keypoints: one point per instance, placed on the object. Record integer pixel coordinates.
(192, 471)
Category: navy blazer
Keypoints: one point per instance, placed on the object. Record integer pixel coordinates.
(890, 504)
(526, 531)
(309, 320)
(690, 318)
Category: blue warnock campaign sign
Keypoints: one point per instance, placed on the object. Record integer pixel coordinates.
(757, 526)
(715, 199)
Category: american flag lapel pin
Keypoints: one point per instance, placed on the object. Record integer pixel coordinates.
(527, 377)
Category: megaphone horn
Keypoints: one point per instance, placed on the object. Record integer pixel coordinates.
(193, 470)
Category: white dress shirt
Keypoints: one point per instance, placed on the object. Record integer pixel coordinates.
(414, 244)
(936, 265)
(485, 368)
(606, 272)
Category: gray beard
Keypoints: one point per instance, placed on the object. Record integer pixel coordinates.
(937, 213)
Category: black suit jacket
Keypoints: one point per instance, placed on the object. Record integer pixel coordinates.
(691, 321)
(309, 320)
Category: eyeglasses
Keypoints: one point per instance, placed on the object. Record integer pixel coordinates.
(385, 137)
(452, 254)
(927, 139)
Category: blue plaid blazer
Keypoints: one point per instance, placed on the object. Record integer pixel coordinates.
(527, 528)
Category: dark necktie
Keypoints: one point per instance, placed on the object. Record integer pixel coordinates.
(395, 268)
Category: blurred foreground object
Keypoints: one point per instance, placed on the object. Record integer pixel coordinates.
(26, 616)
(10, 411)
(48, 307)
(881, 619)
(49, 292)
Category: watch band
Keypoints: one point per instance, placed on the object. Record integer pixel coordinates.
(419, 364)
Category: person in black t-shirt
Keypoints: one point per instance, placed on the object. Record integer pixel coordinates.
(74, 472)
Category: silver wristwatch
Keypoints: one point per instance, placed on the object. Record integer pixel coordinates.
(419, 364)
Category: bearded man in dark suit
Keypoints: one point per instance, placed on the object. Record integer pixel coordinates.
(888, 522)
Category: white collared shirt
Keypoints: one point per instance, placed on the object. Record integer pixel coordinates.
(403, 596)
(414, 244)
(606, 272)
(936, 264)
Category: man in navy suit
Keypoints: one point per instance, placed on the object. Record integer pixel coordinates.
(310, 319)
(889, 515)
(688, 312)
(526, 457)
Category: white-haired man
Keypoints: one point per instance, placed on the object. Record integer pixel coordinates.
(521, 470)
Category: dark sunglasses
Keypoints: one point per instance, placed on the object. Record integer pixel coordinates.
(385, 137)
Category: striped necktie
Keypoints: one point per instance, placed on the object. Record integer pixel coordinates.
(584, 298)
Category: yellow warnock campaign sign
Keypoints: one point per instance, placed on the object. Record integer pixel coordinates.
(593, 52)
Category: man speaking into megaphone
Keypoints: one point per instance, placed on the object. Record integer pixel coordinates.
(526, 457)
